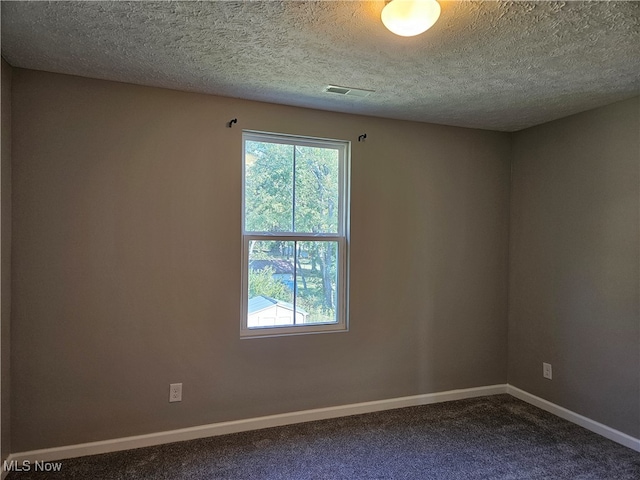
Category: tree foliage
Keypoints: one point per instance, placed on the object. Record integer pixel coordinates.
(262, 282)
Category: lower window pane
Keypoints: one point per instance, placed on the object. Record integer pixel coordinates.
(271, 284)
(316, 281)
(288, 276)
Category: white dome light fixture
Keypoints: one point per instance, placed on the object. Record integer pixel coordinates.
(410, 17)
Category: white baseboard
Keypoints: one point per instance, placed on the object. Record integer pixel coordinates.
(223, 428)
(599, 428)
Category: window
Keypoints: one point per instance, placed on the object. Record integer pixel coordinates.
(294, 234)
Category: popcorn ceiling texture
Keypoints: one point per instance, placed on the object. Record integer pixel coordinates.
(501, 65)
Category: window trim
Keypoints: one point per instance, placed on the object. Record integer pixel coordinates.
(341, 237)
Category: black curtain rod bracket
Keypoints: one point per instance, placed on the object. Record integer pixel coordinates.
(362, 137)
(230, 124)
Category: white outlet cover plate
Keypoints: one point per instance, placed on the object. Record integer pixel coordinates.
(175, 392)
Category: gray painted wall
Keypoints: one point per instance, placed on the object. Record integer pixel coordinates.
(574, 263)
(126, 251)
(5, 262)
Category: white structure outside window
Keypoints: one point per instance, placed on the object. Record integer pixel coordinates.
(294, 234)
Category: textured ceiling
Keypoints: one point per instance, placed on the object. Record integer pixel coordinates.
(500, 65)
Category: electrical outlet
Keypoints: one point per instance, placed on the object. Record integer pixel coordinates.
(546, 370)
(175, 392)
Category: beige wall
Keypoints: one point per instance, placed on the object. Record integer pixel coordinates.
(5, 262)
(574, 263)
(126, 251)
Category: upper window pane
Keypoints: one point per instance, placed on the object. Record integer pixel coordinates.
(291, 188)
(316, 192)
(268, 176)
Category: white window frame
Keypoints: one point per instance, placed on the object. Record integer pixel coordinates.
(341, 238)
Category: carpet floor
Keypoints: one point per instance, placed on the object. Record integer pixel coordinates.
(494, 437)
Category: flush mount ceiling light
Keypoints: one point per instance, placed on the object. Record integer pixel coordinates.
(410, 17)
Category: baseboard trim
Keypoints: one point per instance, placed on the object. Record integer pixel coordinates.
(607, 432)
(236, 426)
(223, 428)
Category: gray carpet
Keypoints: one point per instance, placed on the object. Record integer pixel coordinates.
(496, 437)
